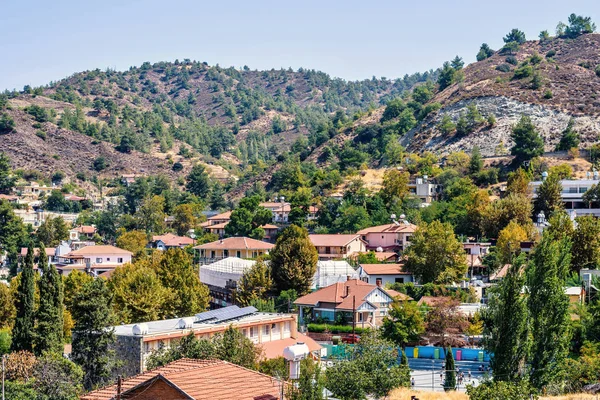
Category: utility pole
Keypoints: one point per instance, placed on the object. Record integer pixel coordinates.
(433, 375)
(353, 317)
(119, 382)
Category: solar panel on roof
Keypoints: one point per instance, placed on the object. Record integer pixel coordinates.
(213, 314)
(228, 315)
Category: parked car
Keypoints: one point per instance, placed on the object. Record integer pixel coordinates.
(351, 339)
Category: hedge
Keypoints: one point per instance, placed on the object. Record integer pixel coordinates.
(320, 328)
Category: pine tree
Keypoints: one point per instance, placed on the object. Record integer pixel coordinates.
(505, 325)
(548, 308)
(450, 382)
(23, 331)
(92, 338)
(476, 162)
(549, 197)
(49, 329)
(528, 142)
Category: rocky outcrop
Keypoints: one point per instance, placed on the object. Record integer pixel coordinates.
(549, 122)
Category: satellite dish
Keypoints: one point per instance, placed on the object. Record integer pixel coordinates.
(402, 216)
(393, 216)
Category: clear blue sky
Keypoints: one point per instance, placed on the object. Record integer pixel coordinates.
(49, 40)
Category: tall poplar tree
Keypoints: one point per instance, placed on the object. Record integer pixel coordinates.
(450, 381)
(92, 335)
(23, 331)
(549, 308)
(505, 325)
(49, 328)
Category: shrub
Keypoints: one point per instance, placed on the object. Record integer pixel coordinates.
(41, 134)
(503, 68)
(81, 176)
(548, 94)
(523, 71)
(7, 124)
(100, 164)
(535, 59)
(598, 70)
(512, 60)
(177, 166)
(320, 328)
(537, 82)
(551, 53)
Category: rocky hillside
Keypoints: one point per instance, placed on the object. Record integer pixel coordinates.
(551, 81)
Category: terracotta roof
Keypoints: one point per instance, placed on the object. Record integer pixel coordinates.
(501, 273)
(275, 206)
(474, 260)
(332, 240)
(398, 295)
(72, 197)
(98, 249)
(269, 226)
(8, 197)
(225, 215)
(235, 243)
(385, 255)
(384, 269)
(36, 252)
(339, 295)
(202, 380)
(389, 228)
(274, 348)
(85, 229)
(171, 240)
(220, 225)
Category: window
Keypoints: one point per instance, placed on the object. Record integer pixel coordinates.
(108, 259)
(245, 332)
(253, 331)
(239, 254)
(286, 327)
(266, 330)
(378, 281)
(98, 260)
(327, 250)
(212, 254)
(146, 347)
(120, 260)
(399, 280)
(225, 253)
(275, 328)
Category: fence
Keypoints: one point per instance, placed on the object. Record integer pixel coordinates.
(420, 352)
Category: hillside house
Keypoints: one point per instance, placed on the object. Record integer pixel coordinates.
(281, 211)
(240, 247)
(272, 332)
(94, 259)
(222, 218)
(572, 194)
(332, 247)
(82, 232)
(424, 190)
(169, 241)
(384, 274)
(394, 237)
(370, 303)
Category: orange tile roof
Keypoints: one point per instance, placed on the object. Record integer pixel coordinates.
(338, 294)
(202, 380)
(225, 215)
(389, 228)
(274, 349)
(398, 295)
(236, 243)
(86, 229)
(385, 255)
(384, 269)
(173, 240)
(98, 249)
(331, 240)
(36, 252)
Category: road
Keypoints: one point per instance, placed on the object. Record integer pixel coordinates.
(421, 371)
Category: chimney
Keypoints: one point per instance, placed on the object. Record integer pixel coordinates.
(346, 291)
(348, 277)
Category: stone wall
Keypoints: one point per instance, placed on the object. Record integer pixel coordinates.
(128, 351)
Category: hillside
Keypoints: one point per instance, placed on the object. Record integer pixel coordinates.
(567, 87)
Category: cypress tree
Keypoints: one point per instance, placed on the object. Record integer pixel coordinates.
(23, 331)
(49, 329)
(549, 308)
(450, 382)
(403, 359)
(92, 337)
(505, 319)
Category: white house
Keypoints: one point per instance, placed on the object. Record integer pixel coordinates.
(97, 259)
(384, 274)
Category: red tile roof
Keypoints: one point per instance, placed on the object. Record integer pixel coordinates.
(236, 243)
(332, 240)
(171, 240)
(398, 295)
(389, 228)
(339, 295)
(225, 215)
(86, 229)
(36, 252)
(384, 269)
(96, 250)
(202, 380)
(8, 197)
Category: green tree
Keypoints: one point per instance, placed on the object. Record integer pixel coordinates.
(52, 231)
(92, 335)
(528, 142)
(569, 138)
(7, 180)
(294, 260)
(7, 124)
(133, 241)
(450, 378)
(446, 126)
(548, 308)
(515, 35)
(23, 330)
(100, 164)
(448, 76)
(586, 243)
(178, 274)
(217, 197)
(184, 219)
(505, 325)
(57, 378)
(435, 254)
(549, 198)
(198, 182)
(371, 369)
(151, 215)
(404, 323)
(12, 232)
(579, 25)
(476, 161)
(248, 218)
(544, 36)
(509, 241)
(254, 283)
(49, 328)
(7, 308)
(73, 284)
(517, 390)
(484, 52)
(311, 383)
(138, 293)
(395, 186)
